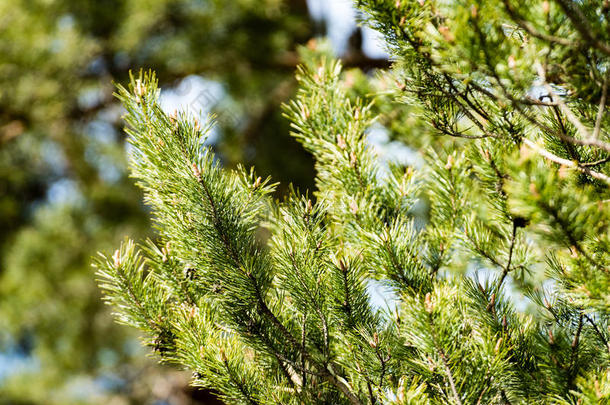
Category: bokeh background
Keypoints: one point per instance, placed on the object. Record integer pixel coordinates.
(64, 189)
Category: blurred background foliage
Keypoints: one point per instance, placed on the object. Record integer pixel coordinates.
(64, 192)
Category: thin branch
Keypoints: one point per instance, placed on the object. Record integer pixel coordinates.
(562, 105)
(311, 297)
(303, 340)
(569, 163)
(484, 389)
(343, 387)
(510, 257)
(598, 332)
(596, 163)
(527, 26)
(584, 142)
(441, 354)
(370, 390)
(465, 110)
(481, 251)
(383, 362)
(449, 376)
(454, 134)
(293, 381)
(565, 109)
(567, 145)
(237, 383)
(602, 106)
(525, 101)
(575, 345)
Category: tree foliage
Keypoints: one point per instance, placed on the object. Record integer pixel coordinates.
(499, 288)
(64, 189)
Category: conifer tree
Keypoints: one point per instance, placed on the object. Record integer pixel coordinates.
(500, 288)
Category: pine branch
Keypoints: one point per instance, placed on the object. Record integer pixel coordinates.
(565, 162)
(235, 380)
(575, 346)
(602, 106)
(450, 376)
(598, 332)
(290, 306)
(510, 257)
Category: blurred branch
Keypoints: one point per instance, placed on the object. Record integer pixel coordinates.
(527, 26)
(602, 106)
(565, 162)
(580, 22)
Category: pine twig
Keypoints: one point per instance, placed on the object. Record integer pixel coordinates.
(575, 345)
(565, 162)
(598, 332)
(596, 163)
(602, 106)
(510, 257)
(449, 376)
(443, 357)
(235, 381)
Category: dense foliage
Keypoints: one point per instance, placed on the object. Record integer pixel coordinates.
(64, 189)
(493, 245)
